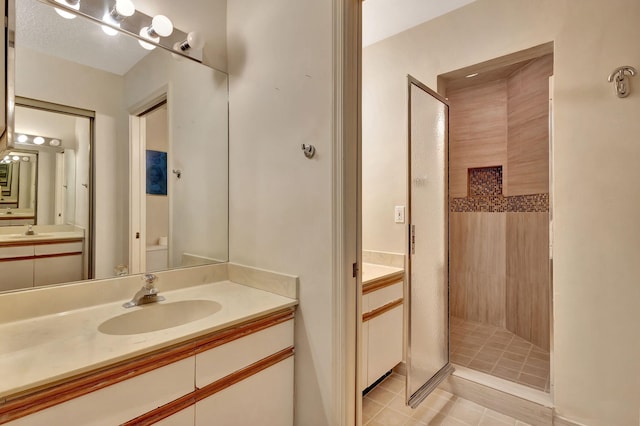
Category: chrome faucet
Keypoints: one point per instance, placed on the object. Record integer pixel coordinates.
(147, 294)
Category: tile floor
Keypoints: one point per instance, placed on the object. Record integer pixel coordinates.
(499, 352)
(384, 406)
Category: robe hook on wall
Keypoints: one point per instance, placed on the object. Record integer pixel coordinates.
(309, 150)
(177, 172)
(620, 79)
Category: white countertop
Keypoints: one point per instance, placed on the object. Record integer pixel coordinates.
(42, 350)
(374, 271)
(40, 236)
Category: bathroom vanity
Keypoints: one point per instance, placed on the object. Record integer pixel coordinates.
(210, 347)
(382, 320)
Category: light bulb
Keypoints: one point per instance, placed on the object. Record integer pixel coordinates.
(145, 34)
(54, 142)
(6, 158)
(74, 4)
(194, 41)
(38, 140)
(25, 159)
(123, 9)
(16, 158)
(23, 138)
(161, 26)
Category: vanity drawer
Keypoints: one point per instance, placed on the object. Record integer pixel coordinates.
(58, 269)
(216, 363)
(120, 402)
(58, 248)
(378, 298)
(15, 251)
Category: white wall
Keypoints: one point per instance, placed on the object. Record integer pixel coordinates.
(55, 80)
(596, 239)
(197, 112)
(280, 65)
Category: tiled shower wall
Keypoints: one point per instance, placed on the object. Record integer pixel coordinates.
(499, 263)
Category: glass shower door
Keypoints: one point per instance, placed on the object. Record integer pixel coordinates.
(428, 288)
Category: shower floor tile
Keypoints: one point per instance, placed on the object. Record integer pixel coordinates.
(499, 352)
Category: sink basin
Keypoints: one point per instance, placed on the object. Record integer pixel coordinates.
(159, 316)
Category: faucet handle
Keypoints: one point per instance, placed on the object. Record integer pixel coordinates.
(149, 279)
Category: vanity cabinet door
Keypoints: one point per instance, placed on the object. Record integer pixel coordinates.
(264, 399)
(121, 401)
(59, 269)
(16, 274)
(385, 343)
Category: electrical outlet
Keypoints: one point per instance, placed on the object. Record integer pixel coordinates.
(399, 214)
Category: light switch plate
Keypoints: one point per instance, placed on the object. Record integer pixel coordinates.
(399, 214)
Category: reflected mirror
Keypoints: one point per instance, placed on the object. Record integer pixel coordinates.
(69, 70)
(18, 181)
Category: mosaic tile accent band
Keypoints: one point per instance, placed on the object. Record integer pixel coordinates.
(485, 195)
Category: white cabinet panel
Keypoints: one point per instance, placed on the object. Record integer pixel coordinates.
(221, 361)
(44, 249)
(15, 274)
(122, 401)
(264, 399)
(385, 343)
(15, 251)
(53, 270)
(385, 295)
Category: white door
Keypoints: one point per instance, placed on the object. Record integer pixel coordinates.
(428, 289)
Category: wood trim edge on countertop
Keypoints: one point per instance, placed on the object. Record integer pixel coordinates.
(53, 394)
(41, 256)
(378, 283)
(41, 242)
(381, 310)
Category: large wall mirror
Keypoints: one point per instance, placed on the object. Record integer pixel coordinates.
(132, 148)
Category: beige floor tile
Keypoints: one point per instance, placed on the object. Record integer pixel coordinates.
(461, 359)
(398, 404)
(538, 363)
(435, 403)
(489, 355)
(537, 382)
(466, 411)
(489, 413)
(496, 345)
(507, 363)
(389, 417)
(536, 354)
(369, 409)
(489, 421)
(480, 365)
(506, 373)
(392, 384)
(514, 357)
(381, 396)
(534, 371)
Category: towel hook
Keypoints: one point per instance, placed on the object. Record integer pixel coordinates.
(309, 150)
(620, 80)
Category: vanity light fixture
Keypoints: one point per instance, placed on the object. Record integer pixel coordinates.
(120, 11)
(23, 138)
(38, 140)
(194, 41)
(161, 26)
(73, 4)
(54, 142)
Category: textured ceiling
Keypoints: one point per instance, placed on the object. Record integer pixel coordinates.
(40, 28)
(385, 18)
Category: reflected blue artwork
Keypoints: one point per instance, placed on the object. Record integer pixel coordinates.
(156, 172)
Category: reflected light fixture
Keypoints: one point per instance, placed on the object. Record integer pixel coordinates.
(73, 4)
(120, 11)
(194, 41)
(161, 26)
(471, 75)
(25, 159)
(23, 138)
(16, 158)
(54, 142)
(38, 140)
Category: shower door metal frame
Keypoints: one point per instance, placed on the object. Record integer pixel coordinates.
(417, 397)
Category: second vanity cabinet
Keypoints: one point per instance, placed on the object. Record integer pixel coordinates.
(382, 326)
(37, 263)
(237, 376)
